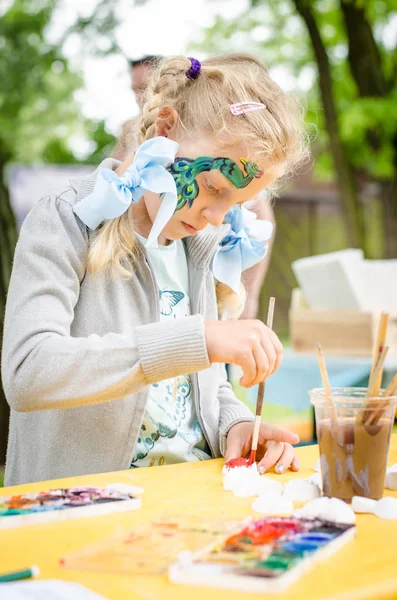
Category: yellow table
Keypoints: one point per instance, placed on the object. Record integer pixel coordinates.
(364, 568)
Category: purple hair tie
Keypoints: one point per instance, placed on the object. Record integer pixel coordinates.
(194, 70)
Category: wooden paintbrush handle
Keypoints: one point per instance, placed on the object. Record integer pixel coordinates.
(380, 344)
(259, 401)
(255, 436)
(391, 389)
(261, 387)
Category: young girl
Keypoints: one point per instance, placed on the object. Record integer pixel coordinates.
(113, 352)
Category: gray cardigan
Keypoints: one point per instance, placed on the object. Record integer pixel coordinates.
(80, 351)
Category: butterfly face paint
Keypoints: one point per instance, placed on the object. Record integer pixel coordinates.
(185, 171)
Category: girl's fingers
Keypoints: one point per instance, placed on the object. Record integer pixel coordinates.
(248, 366)
(258, 366)
(271, 355)
(285, 459)
(271, 432)
(261, 357)
(262, 363)
(272, 455)
(275, 341)
(238, 440)
(234, 447)
(274, 349)
(279, 358)
(295, 465)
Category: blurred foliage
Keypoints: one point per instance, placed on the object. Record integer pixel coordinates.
(38, 110)
(97, 31)
(272, 30)
(340, 55)
(39, 114)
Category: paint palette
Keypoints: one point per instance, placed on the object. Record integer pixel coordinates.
(69, 503)
(267, 555)
(151, 547)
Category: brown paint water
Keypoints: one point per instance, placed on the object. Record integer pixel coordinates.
(354, 458)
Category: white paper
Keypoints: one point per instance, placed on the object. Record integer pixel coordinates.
(52, 589)
(345, 280)
(332, 281)
(381, 285)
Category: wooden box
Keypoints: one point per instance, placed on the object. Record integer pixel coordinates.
(341, 332)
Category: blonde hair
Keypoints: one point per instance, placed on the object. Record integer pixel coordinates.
(276, 134)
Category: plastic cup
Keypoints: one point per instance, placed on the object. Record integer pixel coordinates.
(353, 435)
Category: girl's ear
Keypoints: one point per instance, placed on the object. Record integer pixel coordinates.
(167, 122)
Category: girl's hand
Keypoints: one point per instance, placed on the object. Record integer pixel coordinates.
(247, 343)
(274, 446)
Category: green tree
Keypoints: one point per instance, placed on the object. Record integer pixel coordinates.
(38, 112)
(345, 48)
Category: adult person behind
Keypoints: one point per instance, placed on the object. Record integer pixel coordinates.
(140, 71)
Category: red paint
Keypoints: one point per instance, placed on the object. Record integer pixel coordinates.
(238, 462)
(241, 461)
(263, 531)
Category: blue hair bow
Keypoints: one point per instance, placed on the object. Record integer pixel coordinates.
(242, 248)
(113, 195)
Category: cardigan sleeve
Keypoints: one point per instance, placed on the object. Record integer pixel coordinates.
(43, 365)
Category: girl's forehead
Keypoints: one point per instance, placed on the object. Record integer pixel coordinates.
(198, 147)
(238, 173)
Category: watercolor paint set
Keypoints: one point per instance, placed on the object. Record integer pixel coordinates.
(265, 556)
(151, 547)
(69, 503)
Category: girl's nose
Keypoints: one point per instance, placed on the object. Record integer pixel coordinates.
(214, 216)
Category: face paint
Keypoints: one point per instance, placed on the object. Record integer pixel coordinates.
(185, 171)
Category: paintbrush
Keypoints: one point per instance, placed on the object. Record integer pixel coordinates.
(372, 416)
(391, 389)
(373, 384)
(326, 384)
(261, 393)
(366, 416)
(380, 344)
(389, 392)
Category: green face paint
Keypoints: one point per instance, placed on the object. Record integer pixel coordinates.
(185, 171)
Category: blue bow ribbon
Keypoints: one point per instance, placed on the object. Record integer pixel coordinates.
(113, 195)
(242, 248)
